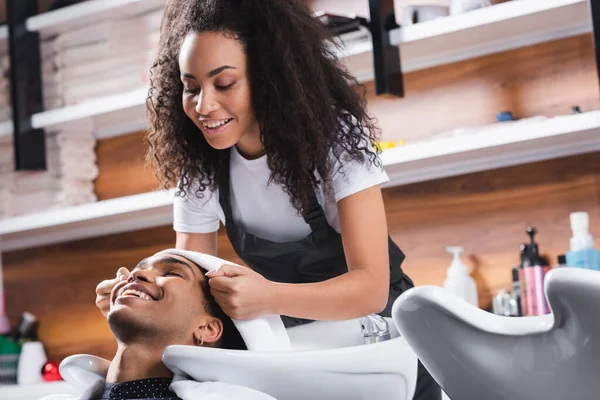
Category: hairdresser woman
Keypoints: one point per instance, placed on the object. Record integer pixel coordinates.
(261, 129)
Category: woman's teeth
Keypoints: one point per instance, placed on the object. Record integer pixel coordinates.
(215, 124)
(136, 293)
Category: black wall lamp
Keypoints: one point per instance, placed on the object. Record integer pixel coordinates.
(386, 57)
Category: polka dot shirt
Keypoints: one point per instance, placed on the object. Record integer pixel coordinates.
(144, 389)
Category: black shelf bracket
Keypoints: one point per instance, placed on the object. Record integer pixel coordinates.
(386, 57)
(25, 86)
(595, 13)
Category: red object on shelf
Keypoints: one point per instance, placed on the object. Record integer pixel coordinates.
(50, 372)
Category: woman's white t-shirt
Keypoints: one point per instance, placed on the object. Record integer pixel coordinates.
(263, 209)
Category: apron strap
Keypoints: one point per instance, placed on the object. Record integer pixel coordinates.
(224, 189)
(314, 217)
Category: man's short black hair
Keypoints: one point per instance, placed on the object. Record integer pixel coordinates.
(231, 338)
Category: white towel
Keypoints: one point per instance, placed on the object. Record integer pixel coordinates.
(98, 32)
(265, 333)
(108, 67)
(101, 51)
(187, 389)
(82, 93)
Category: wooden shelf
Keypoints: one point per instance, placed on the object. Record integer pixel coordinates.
(111, 115)
(90, 220)
(91, 11)
(502, 145)
(480, 32)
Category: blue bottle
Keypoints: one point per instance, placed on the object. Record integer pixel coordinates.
(582, 253)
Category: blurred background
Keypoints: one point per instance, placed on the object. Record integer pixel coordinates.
(498, 130)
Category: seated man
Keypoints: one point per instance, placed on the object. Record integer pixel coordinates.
(165, 301)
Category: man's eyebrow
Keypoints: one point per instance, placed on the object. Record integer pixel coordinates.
(173, 260)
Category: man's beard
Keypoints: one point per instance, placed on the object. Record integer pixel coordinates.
(130, 330)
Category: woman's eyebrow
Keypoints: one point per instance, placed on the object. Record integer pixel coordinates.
(212, 73)
(217, 71)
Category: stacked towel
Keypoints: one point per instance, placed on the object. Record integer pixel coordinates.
(5, 104)
(6, 176)
(108, 57)
(50, 88)
(68, 180)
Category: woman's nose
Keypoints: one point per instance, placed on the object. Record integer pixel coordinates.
(206, 103)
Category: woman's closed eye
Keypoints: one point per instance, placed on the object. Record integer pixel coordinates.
(173, 273)
(190, 90)
(224, 87)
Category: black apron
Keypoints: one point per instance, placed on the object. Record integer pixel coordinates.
(315, 258)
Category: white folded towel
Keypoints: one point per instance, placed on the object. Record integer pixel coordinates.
(102, 50)
(266, 333)
(98, 32)
(101, 68)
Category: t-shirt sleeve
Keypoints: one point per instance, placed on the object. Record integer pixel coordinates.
(355, 176)
(193, 214)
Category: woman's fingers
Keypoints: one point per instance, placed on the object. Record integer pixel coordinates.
(104, 289)
(223, 284)
(122, 273)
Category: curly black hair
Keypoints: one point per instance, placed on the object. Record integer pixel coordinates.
(308, 106)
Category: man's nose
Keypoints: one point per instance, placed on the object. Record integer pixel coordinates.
(141, 276)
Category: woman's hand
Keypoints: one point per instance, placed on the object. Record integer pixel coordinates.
(104, 289)
(242, 293)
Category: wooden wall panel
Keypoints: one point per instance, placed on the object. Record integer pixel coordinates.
(485, 212)
(121, 162)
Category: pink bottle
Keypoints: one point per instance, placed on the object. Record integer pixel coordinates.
(534, 273)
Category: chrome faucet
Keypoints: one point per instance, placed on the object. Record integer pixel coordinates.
(375, 328)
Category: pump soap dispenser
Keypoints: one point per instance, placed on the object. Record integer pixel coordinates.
(458, 280)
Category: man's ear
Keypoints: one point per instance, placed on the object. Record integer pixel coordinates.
(210, 332)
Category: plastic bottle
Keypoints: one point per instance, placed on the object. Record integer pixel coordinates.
(524, 249)
(458, 280)
(582, 253)
(534, 274)
(33, 357)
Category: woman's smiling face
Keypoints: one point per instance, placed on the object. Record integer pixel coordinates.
(216, 88)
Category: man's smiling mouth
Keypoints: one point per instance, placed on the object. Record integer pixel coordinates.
(136, 290)
(135, 293)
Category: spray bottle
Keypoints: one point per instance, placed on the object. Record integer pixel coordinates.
(582, 253)
(458, 280)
